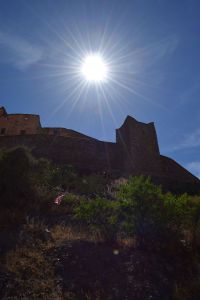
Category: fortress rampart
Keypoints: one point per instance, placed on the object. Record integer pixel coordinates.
(135, 152)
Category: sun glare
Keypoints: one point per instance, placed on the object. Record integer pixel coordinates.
(98, 69)
(94, 68)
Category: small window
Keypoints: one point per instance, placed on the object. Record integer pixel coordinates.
(23, 132)
(3, 131)
(26, 118)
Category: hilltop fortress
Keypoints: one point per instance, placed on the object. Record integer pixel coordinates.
(135, 152)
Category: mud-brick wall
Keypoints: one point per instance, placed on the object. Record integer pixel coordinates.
(18, 124)
(87, 155)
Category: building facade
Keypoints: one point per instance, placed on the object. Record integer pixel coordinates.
(18, 124)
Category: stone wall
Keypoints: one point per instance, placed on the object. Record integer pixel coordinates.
(62, 132)
(135, 152)
(91, 156)
(17, 124)
(86, 155)
(175, 178)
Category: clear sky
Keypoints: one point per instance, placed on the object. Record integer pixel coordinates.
(151, 47)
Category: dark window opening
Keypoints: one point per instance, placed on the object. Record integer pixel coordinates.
(23, 132)
(3, 131)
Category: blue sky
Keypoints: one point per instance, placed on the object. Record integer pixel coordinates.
(152, 48)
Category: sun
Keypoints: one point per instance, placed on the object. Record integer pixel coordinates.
(94, 68)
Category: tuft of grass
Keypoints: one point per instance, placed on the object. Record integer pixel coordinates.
(62, 234)
(24, 260)
(127, 242)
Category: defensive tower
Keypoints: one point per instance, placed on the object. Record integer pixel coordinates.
(139, 146)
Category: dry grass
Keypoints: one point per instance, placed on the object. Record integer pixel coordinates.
(127, 242)
(34, 274)
(33, 266)
(27, 260)
(62, 234)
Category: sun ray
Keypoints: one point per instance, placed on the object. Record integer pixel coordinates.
(132, 91)
(80, 87)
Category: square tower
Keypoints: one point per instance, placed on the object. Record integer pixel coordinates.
(139, 146)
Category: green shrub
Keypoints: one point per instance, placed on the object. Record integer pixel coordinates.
(192, 220)
(149, 214)
(72, 201)
(64, 177)
(100, 215)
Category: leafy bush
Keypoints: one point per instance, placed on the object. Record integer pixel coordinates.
(158, 220)
(192, 220)
(64, 177)
(153, 217)
(71, 201)
(100, 215)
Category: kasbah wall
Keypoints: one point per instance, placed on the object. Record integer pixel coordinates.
(135, 152)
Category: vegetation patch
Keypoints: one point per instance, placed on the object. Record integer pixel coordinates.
(106, 238)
